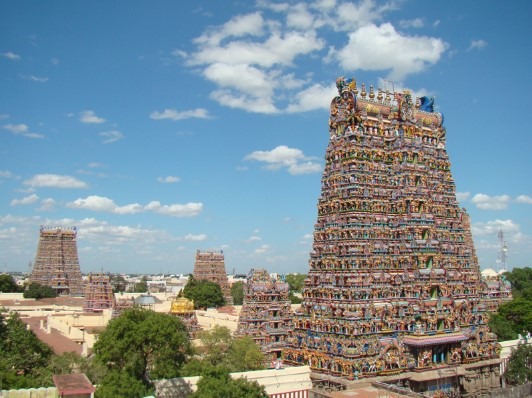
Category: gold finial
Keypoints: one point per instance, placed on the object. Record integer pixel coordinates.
(363, 93)
(379, 97)
(371, 93)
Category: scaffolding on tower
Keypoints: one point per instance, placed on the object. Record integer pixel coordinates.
(503, 252)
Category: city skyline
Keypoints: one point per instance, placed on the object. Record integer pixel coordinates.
(161, 129)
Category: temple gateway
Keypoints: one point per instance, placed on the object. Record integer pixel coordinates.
(394, 285)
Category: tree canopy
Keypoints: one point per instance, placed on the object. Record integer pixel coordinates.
(8, 284)
(218, 379)
(519, 370)
(144, 345)
(521, 280)
(205, 294)
(37, 291)
(296, 282)
(237, 291)
(24, 356)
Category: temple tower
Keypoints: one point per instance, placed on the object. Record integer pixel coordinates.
(56, 262)
(98, 293)
(394, 283)
(266, 313)
(210, 266)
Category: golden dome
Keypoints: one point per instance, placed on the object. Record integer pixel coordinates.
(182, 305)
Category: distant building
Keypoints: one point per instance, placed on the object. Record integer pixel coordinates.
(98, 293)
(56, 262)
(210, 266)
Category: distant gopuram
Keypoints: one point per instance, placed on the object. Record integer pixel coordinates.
(56, 262)
(394, 283)
(266, 313)
(210, 266)
(98, 293)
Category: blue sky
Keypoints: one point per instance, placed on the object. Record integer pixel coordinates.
(160, 128)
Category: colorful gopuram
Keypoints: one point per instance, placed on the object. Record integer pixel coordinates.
(394, 282)
(184, 309)
(210, 266)
(98, 293)
(266, 313)
(56, 262)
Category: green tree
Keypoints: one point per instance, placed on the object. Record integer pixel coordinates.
(294, 299)
(214, 344)
(142, 286)
(218, 379)
(521, 280)
(23, 355)
(118, 282)
(502, 327)
(237, 291)
(518, 313)
(37, 291)
(144, 344)
(244, 355)
(519, 370)
(205, 294)
(120, 384)
(296, 282)
(8, 284)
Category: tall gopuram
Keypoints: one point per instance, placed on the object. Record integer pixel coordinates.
(210, 266)
(394, 285)
(99, 294)
(56, 262)
(266, 313)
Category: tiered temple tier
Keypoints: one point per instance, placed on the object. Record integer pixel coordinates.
(394, 282)
(56, 262)
(98, 293)
(210, 266)
(266, 313)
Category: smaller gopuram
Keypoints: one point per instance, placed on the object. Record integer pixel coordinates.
(99, 294)
(184, 309)
(266, 313)
(56, 262)
(210, 266)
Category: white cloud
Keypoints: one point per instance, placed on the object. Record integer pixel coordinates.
(47, 204)
(168, 179)
(104, 204)
(11, 55)
(314, 97)
(5, 174)
(263, 249)
(383, 48)
(100, 203)
(190, 209)
(282, 156)
(21, 129)
(25, 201)
(486, 202)
(524, 199)
(172, 114)
(195, 238)
(411, 23)
(89, 116)
(111, 136)
(493, 227)
(253, 239)
(462, 196)
(477, 45)
(54, 181)
(35, 78)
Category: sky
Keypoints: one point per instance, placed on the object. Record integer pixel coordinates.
(159, 128)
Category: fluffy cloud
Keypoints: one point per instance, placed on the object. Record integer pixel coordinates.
(172, 114)
(282, 156)
(486, 202)
(21, 129)
(263, 249)
(54, 181)
(111, 136)
(524, 199)
(25, 201)
(90, 117)
(104, 204)
(195, 238)
(383, 48)
(168, 179)
(477, 45)
(11, 55)
(493, 227)
(462, 196)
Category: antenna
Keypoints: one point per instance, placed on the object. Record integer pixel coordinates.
(503, 252)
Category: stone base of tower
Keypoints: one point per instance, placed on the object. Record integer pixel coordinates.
(472, 380)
